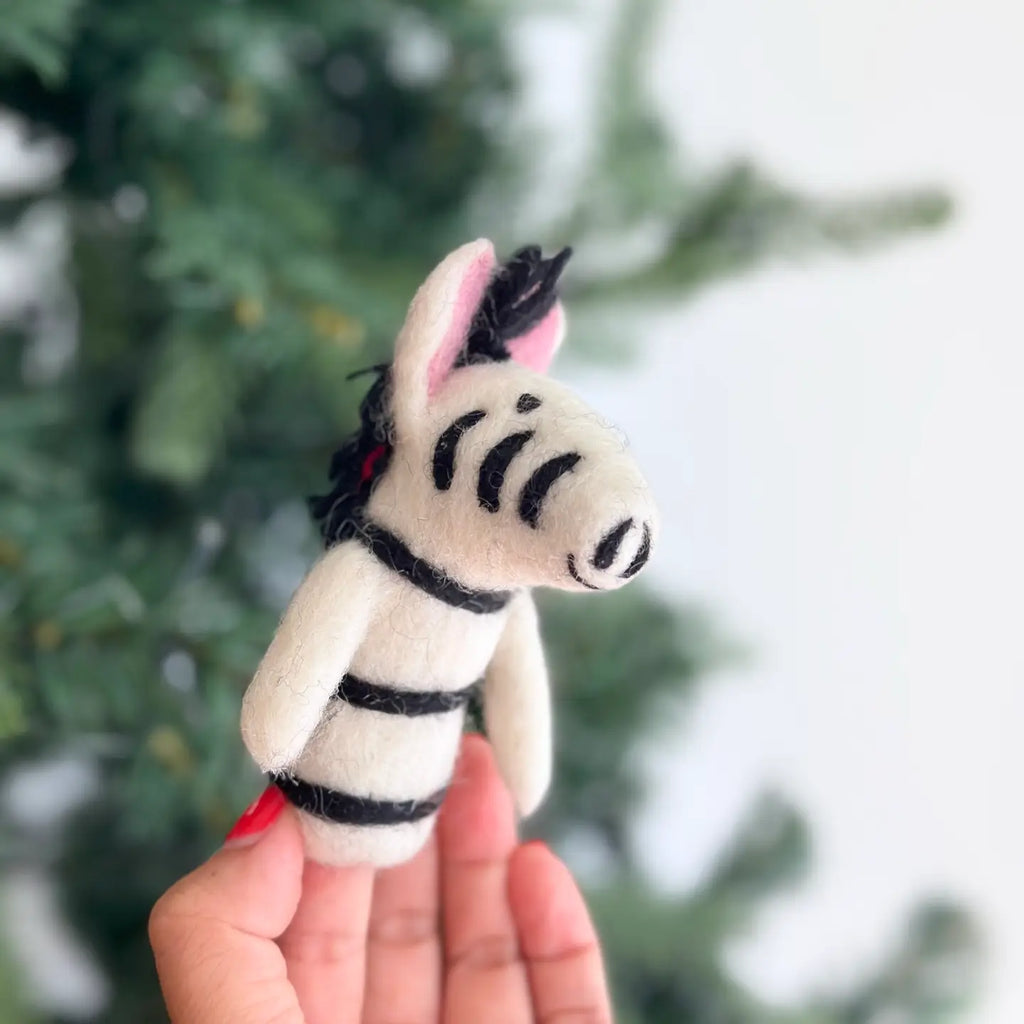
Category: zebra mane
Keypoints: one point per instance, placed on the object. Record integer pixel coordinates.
(521, 293)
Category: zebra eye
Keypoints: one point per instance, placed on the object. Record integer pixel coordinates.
(527, 402)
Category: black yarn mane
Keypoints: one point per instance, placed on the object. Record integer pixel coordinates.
(339, 512)
(521, 293)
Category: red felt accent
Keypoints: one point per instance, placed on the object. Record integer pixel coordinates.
(536, 348)
(369, 462)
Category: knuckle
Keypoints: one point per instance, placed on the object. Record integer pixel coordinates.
(175, 927)
(405, 928)
(327, 948)
(165, 917)
(569, 956)
(488, 953)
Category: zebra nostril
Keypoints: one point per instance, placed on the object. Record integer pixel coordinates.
(608, 547)
(640, 558)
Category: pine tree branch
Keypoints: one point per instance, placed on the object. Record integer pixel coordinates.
(740, 219)
(38, 34)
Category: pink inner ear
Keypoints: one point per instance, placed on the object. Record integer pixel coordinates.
(536, 348)
(471, 292)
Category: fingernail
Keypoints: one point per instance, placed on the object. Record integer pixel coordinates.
(256, 818)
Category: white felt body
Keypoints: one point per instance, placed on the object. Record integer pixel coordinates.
(409, 640)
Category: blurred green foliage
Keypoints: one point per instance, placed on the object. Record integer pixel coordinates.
(253, 193)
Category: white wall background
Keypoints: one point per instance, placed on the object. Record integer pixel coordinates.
(838, 450)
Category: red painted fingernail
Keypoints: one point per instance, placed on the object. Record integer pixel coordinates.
(257, 817)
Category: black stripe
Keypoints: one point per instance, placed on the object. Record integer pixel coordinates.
(393, 553)
(393, 701)
(444, 450)
(492, 469)
(605, 552)
(640, 558)
(346, 809)
(570, 561)
(531, 500)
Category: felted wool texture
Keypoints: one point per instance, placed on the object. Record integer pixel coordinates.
(517, 707)
(403, 638)
(496, 550)
(321, 629)
(493, 479)
(382, 846)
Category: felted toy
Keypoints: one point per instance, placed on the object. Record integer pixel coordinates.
(472, 478)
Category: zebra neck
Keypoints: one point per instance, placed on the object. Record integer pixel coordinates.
(392, 552)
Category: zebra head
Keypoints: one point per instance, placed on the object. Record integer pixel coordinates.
(482, 464)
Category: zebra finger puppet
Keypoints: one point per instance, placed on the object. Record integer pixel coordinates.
(472, 479)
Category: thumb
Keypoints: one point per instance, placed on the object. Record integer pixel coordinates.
(213, 932)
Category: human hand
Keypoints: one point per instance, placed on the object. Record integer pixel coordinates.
(475, 930)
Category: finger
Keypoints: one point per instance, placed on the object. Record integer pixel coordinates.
(213, 932)
(485, 978)
(557, 939)
(325, 944)
(405, 944)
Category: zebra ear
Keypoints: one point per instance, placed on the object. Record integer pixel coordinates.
(436, 328)
(537, 347)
